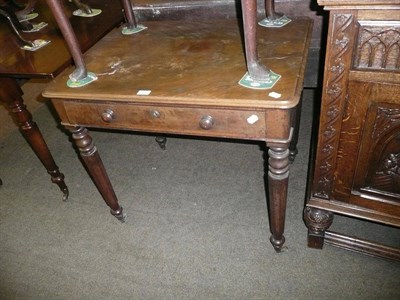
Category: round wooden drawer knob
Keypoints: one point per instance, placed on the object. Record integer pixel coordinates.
(108, 116)
(206, 122)
(155, 114)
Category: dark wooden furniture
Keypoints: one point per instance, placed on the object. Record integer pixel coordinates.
(357, 163)
(182, 77)
(46, 62)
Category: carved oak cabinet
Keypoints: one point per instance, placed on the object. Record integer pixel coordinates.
(356, 169)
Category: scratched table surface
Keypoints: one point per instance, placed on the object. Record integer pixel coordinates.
(50, 60)
(181, 61)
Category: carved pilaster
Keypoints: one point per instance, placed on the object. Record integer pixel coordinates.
(334, 99)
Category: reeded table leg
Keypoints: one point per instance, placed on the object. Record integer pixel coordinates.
(11, 95)
(92, 160)
(278, 179)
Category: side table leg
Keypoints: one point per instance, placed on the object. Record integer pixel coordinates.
(296, 116)
(317, 222)
(278, 179)
(11, 95)
(161, 141)
(95, 167)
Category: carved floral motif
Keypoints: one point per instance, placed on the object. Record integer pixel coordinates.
(385, 175)
(385, 119)
(387, 178)
(391, 165)
(340, 44)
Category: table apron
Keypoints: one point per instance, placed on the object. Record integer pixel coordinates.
(247, 124)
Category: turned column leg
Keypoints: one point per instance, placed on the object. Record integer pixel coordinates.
(317, 222)
(95, 167)
(256, 70)
(11, 95)
(278, 179)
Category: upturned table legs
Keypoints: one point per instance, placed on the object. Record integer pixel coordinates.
(95, 167)
(278, 179)
(11, 95)
(256, 70)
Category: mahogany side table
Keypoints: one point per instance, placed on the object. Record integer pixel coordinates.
(45, 63)
(182, 78)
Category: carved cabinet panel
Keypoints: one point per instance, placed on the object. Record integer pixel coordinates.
(378, 46)
(378, 167)
(356, 168)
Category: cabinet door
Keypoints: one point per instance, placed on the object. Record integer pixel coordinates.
(378, 170)
(376, 182)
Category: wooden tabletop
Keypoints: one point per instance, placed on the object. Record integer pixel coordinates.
(54, 57)
(192, 62)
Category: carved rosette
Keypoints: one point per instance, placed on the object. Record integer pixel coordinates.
(340, 45)
(387, 177)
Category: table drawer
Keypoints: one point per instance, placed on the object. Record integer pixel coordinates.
(247, 124)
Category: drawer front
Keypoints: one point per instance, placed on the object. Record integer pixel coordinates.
(192, 121)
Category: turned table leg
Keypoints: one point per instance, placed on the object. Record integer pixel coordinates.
(161, 141)
(11, 95)
(95, 167)
(278, 179)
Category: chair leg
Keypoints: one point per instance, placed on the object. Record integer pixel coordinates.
(270, 10)
(128, 13)
(256, 70)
